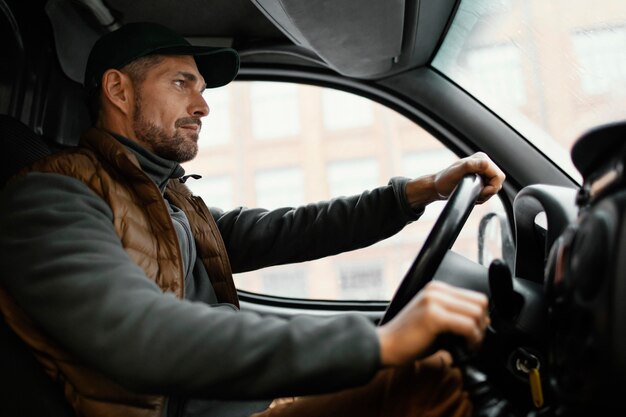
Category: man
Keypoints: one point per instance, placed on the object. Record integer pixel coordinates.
(128, 301)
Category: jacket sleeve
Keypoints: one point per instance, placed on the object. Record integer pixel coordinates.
(257, 238)
(64, 265)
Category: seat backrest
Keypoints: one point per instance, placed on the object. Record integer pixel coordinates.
(20, 146)
(26, 390)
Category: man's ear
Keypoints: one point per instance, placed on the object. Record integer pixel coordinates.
(117, 90)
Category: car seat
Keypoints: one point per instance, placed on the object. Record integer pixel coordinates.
(26, 391)
(20, 147)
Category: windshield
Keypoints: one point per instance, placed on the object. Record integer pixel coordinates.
(550, 69)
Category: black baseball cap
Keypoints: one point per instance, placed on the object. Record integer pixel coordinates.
(218, 66)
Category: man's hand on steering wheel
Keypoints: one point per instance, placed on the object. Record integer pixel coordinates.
(424, 190)
(438, 309)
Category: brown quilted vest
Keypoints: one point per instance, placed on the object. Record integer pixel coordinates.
(145, 228)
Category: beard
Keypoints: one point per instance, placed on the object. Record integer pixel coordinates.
(179, 146)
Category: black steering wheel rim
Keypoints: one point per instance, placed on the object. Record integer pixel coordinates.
(439, 241)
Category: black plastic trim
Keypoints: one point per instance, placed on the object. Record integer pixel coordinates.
(559, 204)
(17, 96)
(311, 304)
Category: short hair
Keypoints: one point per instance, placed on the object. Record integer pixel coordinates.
(136, 70)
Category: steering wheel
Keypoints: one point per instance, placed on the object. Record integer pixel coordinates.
(439, 240)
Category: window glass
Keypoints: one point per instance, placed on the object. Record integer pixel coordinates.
(361, 281)
(282, 281)
(551, 69)
(286, 282)
(601, 56)
(322, 164)
(218, 191)
(497, 70)
(279, 187)
(344, 177)
(427, 161)
(343, 110)
(424, 162)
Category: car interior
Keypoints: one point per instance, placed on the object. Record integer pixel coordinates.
(556, 342)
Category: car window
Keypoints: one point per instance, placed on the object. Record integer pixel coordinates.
(551, 69)
(270, 145)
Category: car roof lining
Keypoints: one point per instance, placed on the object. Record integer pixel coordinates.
(378, 39)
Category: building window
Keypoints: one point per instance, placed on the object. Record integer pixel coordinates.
(427, 161)
(496, 71)
(353, 176)
(215, 191)
(342, 110)
(602, 58)
(282, 187)
(216, 126)
(362, 281)
(282, 282)
(275, 110)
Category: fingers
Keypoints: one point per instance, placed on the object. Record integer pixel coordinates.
(459, 311)
(478, 163)
(493, 177)
(466, 327)
(438, 308)
(457, 299)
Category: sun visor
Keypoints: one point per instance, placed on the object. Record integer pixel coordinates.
(359, 39)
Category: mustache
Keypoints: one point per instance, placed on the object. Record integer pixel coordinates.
(188, 121)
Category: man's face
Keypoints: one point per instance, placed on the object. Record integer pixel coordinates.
(168, 108)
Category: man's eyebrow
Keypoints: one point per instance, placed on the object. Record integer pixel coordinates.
(190, 77)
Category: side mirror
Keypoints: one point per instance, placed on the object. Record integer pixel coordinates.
(495, 240)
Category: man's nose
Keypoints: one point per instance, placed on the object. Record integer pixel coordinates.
(199, 107)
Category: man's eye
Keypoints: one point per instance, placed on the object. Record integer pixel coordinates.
(179, 83)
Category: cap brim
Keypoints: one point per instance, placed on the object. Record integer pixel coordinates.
(218, 66)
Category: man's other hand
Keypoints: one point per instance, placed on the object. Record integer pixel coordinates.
(437, 309)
